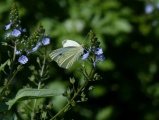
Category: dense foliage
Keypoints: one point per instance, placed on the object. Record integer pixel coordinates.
(128, 32)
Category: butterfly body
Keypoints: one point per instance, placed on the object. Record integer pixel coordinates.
(66, 56)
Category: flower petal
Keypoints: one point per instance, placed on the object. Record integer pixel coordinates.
(46, 41)
(100, 57)
(8, 26)
(98, 51)
(16, 33)
(23, 59)
(85, 56)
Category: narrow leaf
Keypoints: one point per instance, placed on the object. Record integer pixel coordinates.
(4, 64)
(29, 93)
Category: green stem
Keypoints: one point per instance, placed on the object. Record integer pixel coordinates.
(43, 66)
(14, 75)
(10, 76)
(10, 80)
(76, 94)
(39, 85)
(35, 101)
(15, 49)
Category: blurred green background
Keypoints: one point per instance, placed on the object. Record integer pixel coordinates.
(129, 35)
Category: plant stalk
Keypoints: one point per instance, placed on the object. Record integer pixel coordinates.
(76, 94)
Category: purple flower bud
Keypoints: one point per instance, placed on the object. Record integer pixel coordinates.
(35, 48)
(98, 51)
(85, 56)
(100, 57)
(23, 59)
(8, 26)
(94, 63)
(16, 33)
(46, 41)
(17, 52)
(149, 8)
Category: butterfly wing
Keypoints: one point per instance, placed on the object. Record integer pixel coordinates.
(57, 53)
(70, 43)
(65, 57)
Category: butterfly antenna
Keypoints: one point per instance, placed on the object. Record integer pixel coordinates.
(85, 38)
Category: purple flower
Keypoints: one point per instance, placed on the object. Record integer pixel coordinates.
(98, 51)
(8, 26)
(85, 56)
(45, 41)
(23, 59)
(36, 47)
(100, 57)
(149, 8)
(17, 52)
(16, 33)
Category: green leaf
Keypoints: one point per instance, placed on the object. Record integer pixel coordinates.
(72, 80)
(4, 43)
(29, 93)
(4, 64)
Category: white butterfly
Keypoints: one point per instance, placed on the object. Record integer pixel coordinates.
(66, 56)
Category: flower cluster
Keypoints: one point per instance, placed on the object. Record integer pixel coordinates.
(15, 32)
(19, 42)
(94, 50)
(98, 53)
(23, 59)
(14, 24)
(45, 41)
